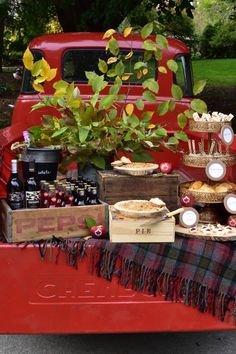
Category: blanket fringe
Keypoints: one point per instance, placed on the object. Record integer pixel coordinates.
(106, 264)
(141, 279)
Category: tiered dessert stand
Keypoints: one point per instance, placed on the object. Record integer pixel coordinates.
(212, 154)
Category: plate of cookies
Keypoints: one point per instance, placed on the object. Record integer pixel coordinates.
(203, 192)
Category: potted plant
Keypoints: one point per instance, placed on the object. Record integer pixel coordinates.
(98, 128)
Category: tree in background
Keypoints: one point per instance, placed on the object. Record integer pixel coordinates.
(217, 33)
(25, 19)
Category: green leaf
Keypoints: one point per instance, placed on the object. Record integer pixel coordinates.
(106, 102)
(113, 46)
(119, 68)
(199, 87)
(111, 73)
(161, 132)
(142, 157)
(38, 105)
(173, 141)
(148, 44)
(59, 132)
(161, 41)
(113, 114)
(176, 92)
(163, 108)
(83, 133)
(146, 116)
(61, 84)
(151, 84)
(147, 30)
(114, 89)
(139, 65)
(162, 69)
(139, 104)
(149, 96)
(189, 113)
(90, 222)
(182, 120)
(172, 65)
(97, 81)
(171, 105)
(180, 135)
(94, 99)
(102, 66)
(198, 105)
(134, 121)
(98, 161)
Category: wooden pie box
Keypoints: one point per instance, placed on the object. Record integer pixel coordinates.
(35, 224)
(115, 187)
(129, 230)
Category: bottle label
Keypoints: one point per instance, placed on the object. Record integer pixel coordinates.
(16, 200)
(32, 199)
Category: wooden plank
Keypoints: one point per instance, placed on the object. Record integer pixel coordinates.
(6, 220)
(123, 229)
(114, 187)
(36, 224)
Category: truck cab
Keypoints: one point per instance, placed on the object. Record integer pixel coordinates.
(73, 54)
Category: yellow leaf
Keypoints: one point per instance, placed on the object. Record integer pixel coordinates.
(28, 59)
(129, 108)
(112, 60)
(108, 33)
(129, 55)
(39, 79)
(125, 77)
(60, 93)
(75, 103)
(52, 74)
(139, 74)
(45, 71)
(127, 31)
(36, 68)
(145, 71)
(56, 123)
(151, 126)
(38, 87)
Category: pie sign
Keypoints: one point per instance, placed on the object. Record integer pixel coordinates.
(215, 170)
(230, 203)
(227, 135)
(189, 217)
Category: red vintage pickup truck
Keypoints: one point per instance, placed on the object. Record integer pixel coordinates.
(42, 297)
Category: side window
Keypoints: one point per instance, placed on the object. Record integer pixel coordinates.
(183, 76)
(76, 61)
(26, 82)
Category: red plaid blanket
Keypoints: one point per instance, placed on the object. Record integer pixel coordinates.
(200, 273)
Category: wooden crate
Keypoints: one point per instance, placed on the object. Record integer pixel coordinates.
(35, 224)
(115, 187)
(123, 229)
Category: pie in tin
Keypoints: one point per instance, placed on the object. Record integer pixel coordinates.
(140, 208)
(137, 168)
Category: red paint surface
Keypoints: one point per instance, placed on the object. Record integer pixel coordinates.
(42, 297)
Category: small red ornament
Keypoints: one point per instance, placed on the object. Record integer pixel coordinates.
(98, 231)
(166, 167)
(231, 221)
(187, 200)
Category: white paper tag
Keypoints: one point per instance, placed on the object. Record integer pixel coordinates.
(227, 135)
(189, 217)
(230, 203)
(216, 170)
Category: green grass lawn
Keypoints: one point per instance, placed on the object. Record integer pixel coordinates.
(217, 72)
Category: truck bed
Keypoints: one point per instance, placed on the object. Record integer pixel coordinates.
(39, 296)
